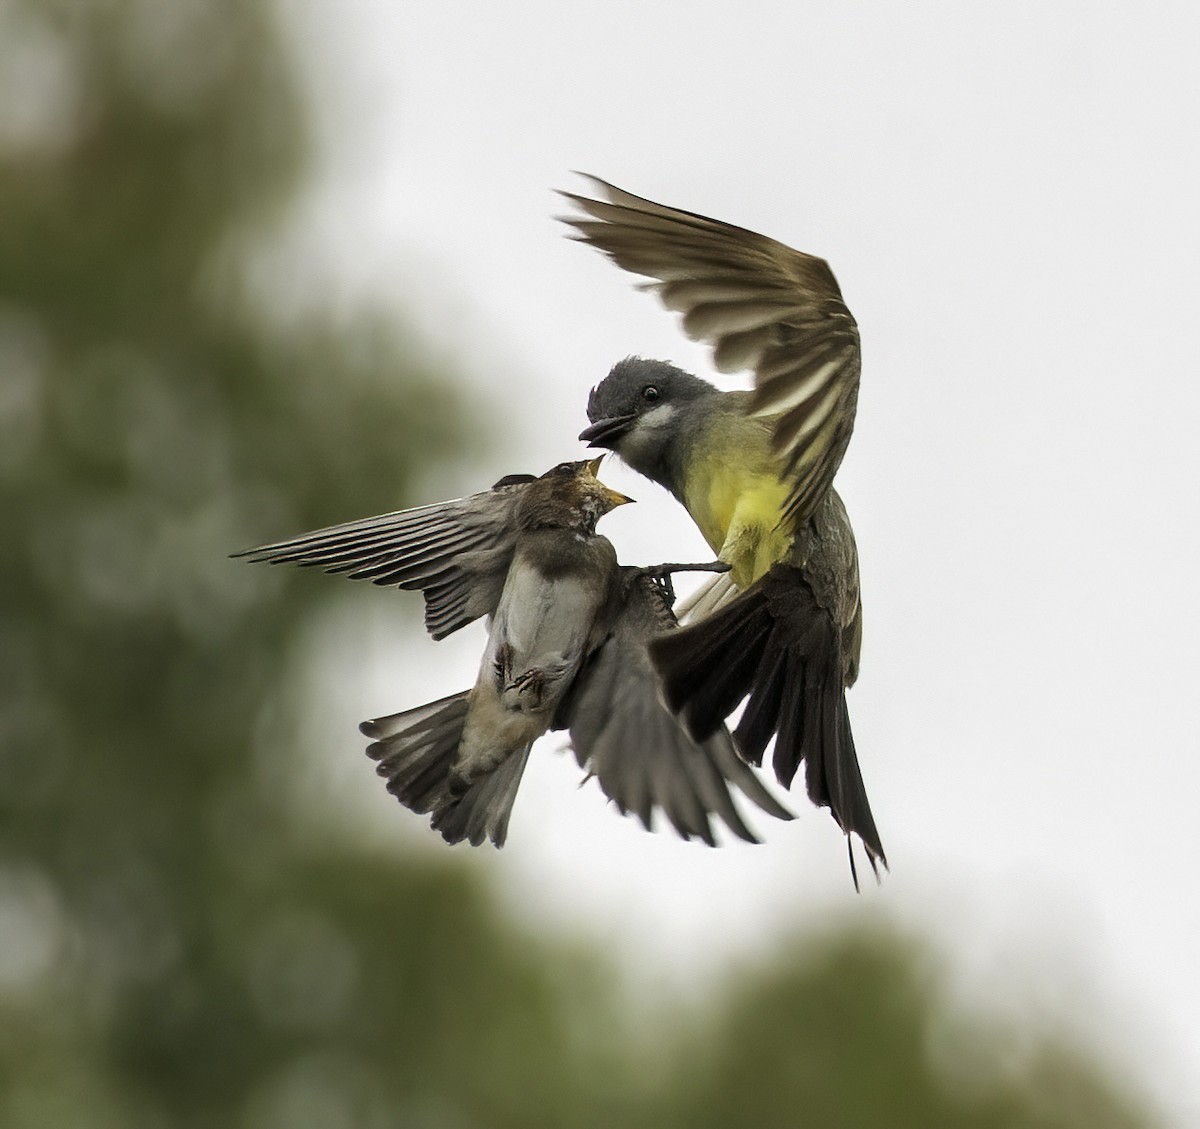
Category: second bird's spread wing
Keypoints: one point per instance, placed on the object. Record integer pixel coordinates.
(637, 750)
(760, 305)
(456, 553)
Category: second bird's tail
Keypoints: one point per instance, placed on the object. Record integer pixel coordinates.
(416, 750)
(777, 646)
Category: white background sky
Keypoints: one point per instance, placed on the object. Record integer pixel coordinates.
(1008, 196)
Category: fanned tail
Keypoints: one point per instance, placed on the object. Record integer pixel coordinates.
(415, 751)
(775, 645)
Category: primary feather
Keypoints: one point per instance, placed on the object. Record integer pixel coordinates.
(760, 305)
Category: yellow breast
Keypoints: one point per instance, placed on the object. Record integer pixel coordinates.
(738, 509)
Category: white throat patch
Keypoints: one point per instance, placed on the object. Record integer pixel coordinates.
(644, 438)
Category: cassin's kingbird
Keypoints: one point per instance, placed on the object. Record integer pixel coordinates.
(566, 649)
(755, 471)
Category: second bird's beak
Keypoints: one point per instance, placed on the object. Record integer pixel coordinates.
(613, 497)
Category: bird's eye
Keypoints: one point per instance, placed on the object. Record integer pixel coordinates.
(650, 394)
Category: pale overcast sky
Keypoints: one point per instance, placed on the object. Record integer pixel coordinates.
(1007, 195)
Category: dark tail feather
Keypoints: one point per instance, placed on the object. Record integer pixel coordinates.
(844, 786)
(416, 750)
(757, 725)
(708, 667)
(790, 719)
(483, 810)
(777, 646)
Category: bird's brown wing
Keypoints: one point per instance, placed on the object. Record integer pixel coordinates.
(761, 305)
(456, 553)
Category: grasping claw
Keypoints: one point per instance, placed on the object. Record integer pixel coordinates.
(661, 575)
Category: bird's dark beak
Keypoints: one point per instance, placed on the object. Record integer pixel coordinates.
(606, 432)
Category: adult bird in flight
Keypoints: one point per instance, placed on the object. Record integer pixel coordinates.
(755, 470)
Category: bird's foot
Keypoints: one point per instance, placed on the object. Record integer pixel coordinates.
(661, 574)
(526, 690)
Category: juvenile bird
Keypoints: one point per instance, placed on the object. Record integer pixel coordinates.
(755, 471)
(566, 648)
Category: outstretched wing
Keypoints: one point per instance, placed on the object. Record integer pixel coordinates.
(627, 738)
(456, 553)
(760, 305)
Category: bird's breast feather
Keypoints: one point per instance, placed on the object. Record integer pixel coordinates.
(738, 510)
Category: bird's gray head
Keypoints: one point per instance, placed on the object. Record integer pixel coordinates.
(635, 410)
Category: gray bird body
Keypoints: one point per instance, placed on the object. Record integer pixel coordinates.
(567, 648)
(547, 621)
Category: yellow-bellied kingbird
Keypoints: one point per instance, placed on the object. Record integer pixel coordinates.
(755, 471)
(566, 649)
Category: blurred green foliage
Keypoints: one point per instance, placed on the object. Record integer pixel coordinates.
(173, 952)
